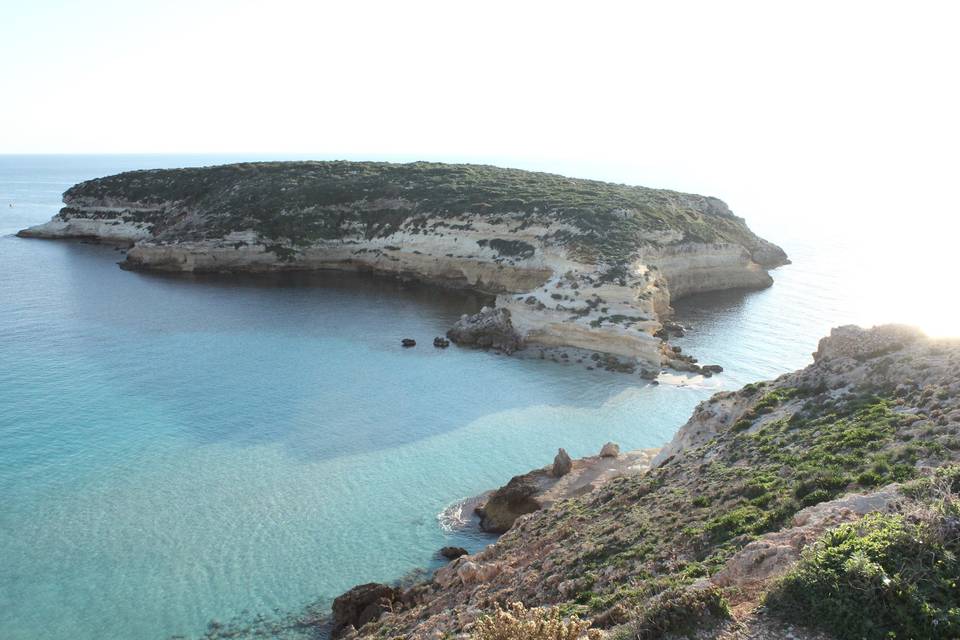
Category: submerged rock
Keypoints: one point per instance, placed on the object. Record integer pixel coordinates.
(488, 329)
(408, 342)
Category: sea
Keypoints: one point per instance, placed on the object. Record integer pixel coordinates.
(187, 455)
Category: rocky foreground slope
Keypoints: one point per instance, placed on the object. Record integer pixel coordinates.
(574, 262)
(822, 504)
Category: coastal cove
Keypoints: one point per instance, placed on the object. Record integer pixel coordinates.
(181, 449)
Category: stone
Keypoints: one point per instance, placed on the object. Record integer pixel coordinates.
(561, 464)
(610, 450)
(361, 604)
(509, 502)
(468, 572)
(408, 342)
(489, 329)
(452, 553)
(441, 342)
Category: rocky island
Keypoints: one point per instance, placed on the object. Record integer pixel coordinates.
(573, 263)
(823, 504)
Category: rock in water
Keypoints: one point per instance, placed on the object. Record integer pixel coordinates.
(441, 342)
(452, 553)
(610, 450)
(362, 604)
(561, 464)
(509, 502)
(408, 342)
(489, 329)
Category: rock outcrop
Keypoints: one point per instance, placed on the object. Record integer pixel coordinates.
(562, 464)
(577, 263)
(362, 604)
(488, 329)
(540, 488)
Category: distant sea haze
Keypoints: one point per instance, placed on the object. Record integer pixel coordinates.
(180, 450)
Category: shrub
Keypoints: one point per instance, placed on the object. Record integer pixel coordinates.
(516, 622)
(886, 576)
(677, 612)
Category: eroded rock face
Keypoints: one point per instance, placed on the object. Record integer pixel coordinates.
(488, 329)
(362, 604)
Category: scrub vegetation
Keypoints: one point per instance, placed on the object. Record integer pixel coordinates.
(665, 554)
(298, 203)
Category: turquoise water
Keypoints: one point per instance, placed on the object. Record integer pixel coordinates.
(178, 450)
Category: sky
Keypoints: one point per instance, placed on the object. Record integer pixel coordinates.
(839, 111)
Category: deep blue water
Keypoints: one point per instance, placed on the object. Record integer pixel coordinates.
(175, 450)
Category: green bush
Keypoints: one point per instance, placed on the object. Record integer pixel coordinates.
(886, 576)
(677, 612)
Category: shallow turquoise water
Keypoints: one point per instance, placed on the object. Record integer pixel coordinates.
(176, 450)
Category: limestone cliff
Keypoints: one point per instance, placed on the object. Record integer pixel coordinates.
(866, 439)
(577, 262)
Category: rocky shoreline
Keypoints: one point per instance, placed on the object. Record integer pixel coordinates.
(573, 263)
(695, 537)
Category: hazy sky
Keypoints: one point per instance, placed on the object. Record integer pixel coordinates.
(768, 106)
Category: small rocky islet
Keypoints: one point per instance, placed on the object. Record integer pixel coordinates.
(572, 263)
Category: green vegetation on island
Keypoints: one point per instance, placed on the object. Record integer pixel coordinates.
(298, 203)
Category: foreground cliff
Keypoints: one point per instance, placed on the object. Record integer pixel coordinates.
(574, 262)
(856, 453)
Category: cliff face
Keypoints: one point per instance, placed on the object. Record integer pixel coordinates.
(578, 262)
(735, 501)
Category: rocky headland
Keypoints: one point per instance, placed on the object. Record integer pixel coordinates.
(822, 504)
(573, 263)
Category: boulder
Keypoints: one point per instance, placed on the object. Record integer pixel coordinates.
(489, 329)
(561, 464)
(510, 501)
(468, 572)
(362, 604)
(610, 450)
(452, 553)
(471, 572)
